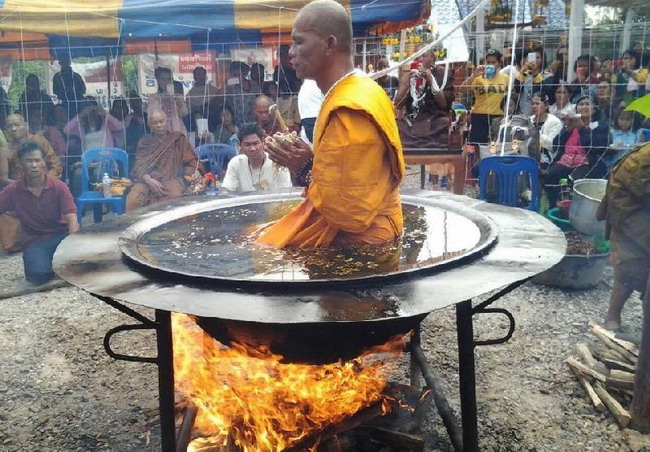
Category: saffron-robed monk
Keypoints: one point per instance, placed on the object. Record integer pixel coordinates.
(354, 172)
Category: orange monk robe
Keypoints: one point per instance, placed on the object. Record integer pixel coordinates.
(358, 165)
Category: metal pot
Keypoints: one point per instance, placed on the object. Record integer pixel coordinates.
(574, 272)
(587, 195)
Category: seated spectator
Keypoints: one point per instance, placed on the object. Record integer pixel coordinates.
(607, 69)
(136, 126)
(548, 127)
(489, 87)
(511, 70)
(530, 79)
(390, 83)
(288, 88)
(625, 135)
(44, 126)
(119, 109)
(226, 130)
(558, 72)
(423, 101)
(268, 117)
(241, 93)
(562, 106)
(201, 93)
(95, 128)
(252, 169)
(580, 148)
(163, 160)
(168, 100)
(17, 135)
(497, 132)
(45, 208)
(33, 98)
(199, 122)
(630, 80)
(585, 81)
(605, 100)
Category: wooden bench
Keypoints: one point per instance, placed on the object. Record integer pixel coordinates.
(453, 156)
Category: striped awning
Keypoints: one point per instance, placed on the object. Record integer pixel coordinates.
(107, 25)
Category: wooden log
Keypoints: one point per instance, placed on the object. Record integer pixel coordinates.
(627, 345)
(589, 389)
(621, 375)
(605, 339)
(366, 415)
(619, 384)
(615, 364)
(585, 371)
(603, 352)
(396, 440)
(620, 414)
(584, 353)
(641, 400)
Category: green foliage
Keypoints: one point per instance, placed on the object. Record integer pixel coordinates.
(130, 72)
(20, 70)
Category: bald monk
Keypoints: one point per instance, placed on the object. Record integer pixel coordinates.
(269, 121)
(354, 172)
(162, 160)
(17, 134)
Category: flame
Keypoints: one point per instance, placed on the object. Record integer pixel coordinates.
(246, 397)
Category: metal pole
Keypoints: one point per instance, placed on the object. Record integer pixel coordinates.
(414, 369)
(363, 57)
(166, 380)
(466, 377)
(576, 20)
(108, 79)
(627, 30)
(480, 35)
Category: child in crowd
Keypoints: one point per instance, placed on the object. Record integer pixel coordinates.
(625, 135)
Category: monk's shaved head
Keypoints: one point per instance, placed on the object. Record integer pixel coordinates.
(263, 101)
(328, 18)
(157, 114)
(15, 117)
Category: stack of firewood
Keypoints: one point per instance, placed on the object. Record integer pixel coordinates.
(606, 371)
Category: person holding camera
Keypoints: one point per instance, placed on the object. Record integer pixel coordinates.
(489, 87)
(423, 101)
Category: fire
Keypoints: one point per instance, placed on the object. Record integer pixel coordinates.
(246, 397)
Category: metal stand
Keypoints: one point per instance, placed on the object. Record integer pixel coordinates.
(463, 436)
(164, 361)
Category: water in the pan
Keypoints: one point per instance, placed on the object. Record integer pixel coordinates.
(218, 244)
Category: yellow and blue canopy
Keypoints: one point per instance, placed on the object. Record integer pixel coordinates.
(104, 26)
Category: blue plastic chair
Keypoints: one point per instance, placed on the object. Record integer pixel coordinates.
(107, 158)
(507, 170)
(217, 156)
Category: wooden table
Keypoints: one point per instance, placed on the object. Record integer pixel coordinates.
(423, 157)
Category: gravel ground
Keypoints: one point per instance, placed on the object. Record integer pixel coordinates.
(61, 392)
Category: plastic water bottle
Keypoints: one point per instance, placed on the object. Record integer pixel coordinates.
(106, 186)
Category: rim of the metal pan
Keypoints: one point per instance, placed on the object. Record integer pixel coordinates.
(129, 239)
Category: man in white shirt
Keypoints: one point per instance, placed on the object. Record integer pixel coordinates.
(310, 99)
(252, 170)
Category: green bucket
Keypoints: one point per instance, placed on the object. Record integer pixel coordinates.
(554, 215)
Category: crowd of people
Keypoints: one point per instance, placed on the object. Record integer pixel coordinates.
(575, 128)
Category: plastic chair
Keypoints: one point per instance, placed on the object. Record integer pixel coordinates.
(217, 156)
(512, 175)
(106, 158)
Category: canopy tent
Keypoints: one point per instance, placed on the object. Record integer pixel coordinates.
(30, 28)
